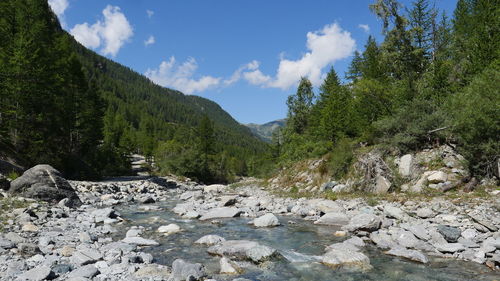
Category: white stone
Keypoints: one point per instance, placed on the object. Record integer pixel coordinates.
(227, 266)
(405, 165)
(382, 185)
(346, 258)
(437, 177)
(339, 219)
(210, 240)
(469, 234)
(169, 229)
(266, 220)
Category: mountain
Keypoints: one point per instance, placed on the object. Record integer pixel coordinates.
(265, 131)
(145, 104)
(65, 105)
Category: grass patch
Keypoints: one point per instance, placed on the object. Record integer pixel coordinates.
(12, 175)
(7, 204)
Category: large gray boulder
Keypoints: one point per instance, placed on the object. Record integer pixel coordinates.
(45, 183)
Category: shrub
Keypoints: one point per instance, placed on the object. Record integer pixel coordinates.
(408, 128)
(341, 158)
(475, 117)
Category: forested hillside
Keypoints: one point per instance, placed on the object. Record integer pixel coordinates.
(70, 107)
(434, 79)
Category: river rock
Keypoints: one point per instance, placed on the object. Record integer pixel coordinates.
(45, 183)
(85, 256)
(182, 270)
(222, 212)
(139, 241)
(347, 259)
(61, 269)
(37, 274)
(191, 215)
(450, 233)
(6, 244)
(86, 271)
(28, 249)
(406, 239)
(484, 222)
(152, 272)
(228, 267)
(419, 231)
(101, 215)
(382, 239)
(266, 220)
(413, 255)
(338, 219)
(210, 240)
(469, 234)
(425, 213)
(169, 229)
(364, 222)
(394, 212)
(328, 206)
(449, 247)
(242, 250)
(134, 232)
(29, 227)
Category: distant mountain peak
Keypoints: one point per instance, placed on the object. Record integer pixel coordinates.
(265, 131)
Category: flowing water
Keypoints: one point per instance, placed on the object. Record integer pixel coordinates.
(300, 242)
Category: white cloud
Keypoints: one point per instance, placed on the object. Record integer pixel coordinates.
(151, 40)
(253, 65)
(87, 35)
(365, 27)
(112, 33)
(150, 13)
(59, 7)
(256, 77)
(180, 76)
(325, 47)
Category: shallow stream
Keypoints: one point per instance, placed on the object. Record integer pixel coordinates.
(300, 242)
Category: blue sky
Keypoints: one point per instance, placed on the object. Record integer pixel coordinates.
(245, 55)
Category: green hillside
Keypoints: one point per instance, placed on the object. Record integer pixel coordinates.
(65, 105)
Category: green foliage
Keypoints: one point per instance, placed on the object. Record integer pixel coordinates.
(475, 112)
(341, 158)
(50, 112)
(408, 92)
(408, 128)
(299, 107)
(67, 106)
(12, 175)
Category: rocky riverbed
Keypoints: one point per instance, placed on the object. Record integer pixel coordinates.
(166, 229)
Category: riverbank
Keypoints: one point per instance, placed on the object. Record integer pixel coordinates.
(42, 241)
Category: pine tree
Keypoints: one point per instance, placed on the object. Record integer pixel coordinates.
(336, 117)
(299, 106)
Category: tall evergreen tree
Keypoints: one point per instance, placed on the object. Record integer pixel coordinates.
(299, 106)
